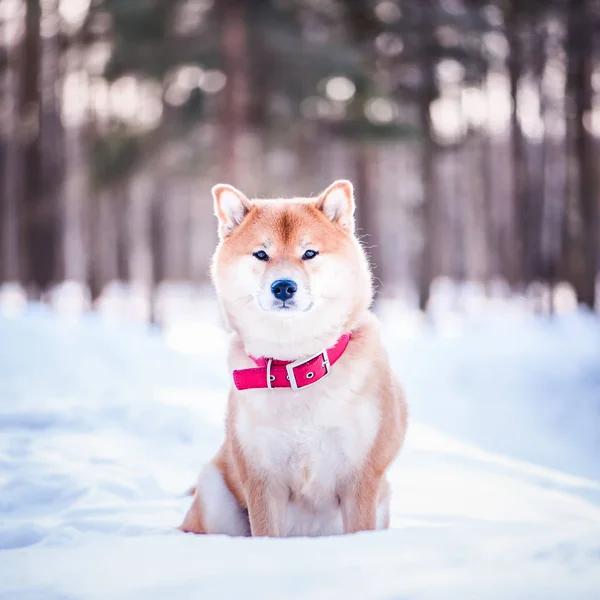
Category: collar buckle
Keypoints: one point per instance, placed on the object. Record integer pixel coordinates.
(270, 377)
(299, 363)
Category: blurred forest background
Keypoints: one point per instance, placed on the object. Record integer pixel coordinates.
(469, 128)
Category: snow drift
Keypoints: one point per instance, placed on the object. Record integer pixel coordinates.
(103, 426)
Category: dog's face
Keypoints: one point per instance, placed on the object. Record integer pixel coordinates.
(289, 267)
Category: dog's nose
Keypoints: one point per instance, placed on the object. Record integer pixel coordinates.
(284, 289)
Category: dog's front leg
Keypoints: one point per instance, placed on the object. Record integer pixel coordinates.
(267, 509)
(358, 501)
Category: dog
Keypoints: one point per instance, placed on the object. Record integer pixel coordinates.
(315, 416)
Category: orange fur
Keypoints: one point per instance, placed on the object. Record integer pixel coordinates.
(194, 521)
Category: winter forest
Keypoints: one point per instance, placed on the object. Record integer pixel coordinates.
(469, 128)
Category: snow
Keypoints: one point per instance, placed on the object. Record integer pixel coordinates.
(105, 422)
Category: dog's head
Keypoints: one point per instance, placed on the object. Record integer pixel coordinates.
(289, 273)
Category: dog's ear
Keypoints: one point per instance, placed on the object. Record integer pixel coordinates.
(231, 206)
(337, 203)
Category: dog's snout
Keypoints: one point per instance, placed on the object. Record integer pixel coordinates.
(284, 289)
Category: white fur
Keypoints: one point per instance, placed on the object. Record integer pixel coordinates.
(305, 522)
(312, 441)
(302, 521)
(383, 511)
(322, 303)
(220, 509)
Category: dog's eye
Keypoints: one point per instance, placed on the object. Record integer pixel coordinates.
(309, 254)
(261, 255)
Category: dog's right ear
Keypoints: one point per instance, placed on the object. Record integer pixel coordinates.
(231, 206)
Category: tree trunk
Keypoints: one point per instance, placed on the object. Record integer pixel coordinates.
(477, 254)
(491, 225)
(234, 107)
(30, 101)
(363, 158)
(75, 259)
(583, 179)
(553, 183)
(13, 158)
(426, 263)
(51, 151)
(103, 235)
(140, 260)
(426, 266)
(365, 164)
(168, 233)
(203, 235)
(518, 146)
(123, 227)
(536, 198)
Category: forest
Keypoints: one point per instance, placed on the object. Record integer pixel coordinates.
(468, 127)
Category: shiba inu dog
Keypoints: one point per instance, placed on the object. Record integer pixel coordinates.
(315, 415)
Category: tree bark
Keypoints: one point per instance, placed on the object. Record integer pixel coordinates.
(75, 256)
(103, 235)
(518, 147)
(583, 184)
(46, 267)
(234, 107)
(553, 183)
(366, 193)
(13, 158)
(426, 266)
(139, 232)
(536, 199)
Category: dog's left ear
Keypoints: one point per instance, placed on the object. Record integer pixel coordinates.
(337, 202)
(231, 206)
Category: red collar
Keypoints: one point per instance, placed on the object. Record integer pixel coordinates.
(296, 375)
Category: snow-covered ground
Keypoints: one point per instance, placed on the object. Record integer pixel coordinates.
(105, 423)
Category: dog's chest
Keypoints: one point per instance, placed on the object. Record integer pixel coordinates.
(310, 439)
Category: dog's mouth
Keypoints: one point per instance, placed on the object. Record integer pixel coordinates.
(286, 307)
(289, 306)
